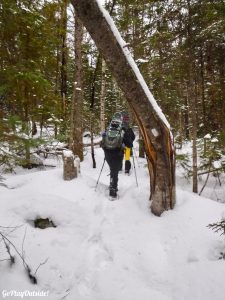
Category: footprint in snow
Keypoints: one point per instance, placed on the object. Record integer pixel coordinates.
(98, 254)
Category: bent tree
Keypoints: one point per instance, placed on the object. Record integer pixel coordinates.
(153, 124)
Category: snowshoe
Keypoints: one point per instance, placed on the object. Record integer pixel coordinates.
(113, 198)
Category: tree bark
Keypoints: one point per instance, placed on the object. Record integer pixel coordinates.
(193, 114)
(141, 147)
(192, 98)
(63, 68)
(92, 141)
(203, 90)
(155, 131)
(102, 97)
(76, 139)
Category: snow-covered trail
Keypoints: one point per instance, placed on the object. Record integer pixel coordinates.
(111, 250)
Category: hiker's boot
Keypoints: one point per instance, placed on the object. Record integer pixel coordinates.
(113, 192)
(127, 167)
(113, 184)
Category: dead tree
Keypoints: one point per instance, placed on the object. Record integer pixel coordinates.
(154, 127)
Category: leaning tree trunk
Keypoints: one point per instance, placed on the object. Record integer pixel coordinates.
(153, 124)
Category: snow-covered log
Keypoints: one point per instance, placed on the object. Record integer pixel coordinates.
(154, 126)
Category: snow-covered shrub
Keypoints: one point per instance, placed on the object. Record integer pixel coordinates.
(218, 227)
(210, 153)
(183, 160)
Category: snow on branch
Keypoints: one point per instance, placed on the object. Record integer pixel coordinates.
(132, 64)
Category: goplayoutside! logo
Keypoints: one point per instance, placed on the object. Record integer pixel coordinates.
(24, 294)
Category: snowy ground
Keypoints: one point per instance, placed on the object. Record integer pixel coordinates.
(104, 250)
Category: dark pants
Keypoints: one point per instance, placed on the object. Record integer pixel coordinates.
(127, 166)
(114, 159)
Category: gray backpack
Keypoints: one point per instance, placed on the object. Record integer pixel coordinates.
(113, 137)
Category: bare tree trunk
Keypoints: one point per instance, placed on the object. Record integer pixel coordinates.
(92, 142)
(222, 88)
(203, 90)
(102, 97)
(193, 119)
(34, 128)
(76, 138)
(194, 159)
(27, 130)
(186, 119)
(153, 125)
(63, 70)
(192, 100)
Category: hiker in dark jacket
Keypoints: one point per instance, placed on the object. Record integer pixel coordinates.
(114, 158)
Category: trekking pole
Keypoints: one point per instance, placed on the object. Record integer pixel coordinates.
(100, 174)
(135, 171)
(136, 157)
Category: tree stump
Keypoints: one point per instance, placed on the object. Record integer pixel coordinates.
(69, 168)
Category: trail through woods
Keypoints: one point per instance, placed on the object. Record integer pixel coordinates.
(110, 250)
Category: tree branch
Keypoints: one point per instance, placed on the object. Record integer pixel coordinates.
(27, 268)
